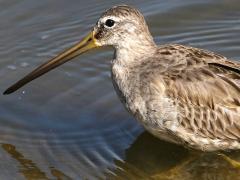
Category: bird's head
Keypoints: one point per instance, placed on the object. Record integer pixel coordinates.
(120, 26)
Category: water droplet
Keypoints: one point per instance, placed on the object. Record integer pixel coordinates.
(24, 64)
(44, 36)
(12, 67)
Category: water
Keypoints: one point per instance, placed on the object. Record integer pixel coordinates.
(69, 124)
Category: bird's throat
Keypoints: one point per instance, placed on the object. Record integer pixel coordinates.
(130, 55)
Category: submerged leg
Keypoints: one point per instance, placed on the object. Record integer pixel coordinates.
(173, 172)
(233, 162)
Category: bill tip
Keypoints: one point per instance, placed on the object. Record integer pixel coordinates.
(8, 91)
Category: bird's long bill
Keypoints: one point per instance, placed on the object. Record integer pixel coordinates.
(86, 44)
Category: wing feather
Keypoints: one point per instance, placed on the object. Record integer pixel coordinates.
(207, 92)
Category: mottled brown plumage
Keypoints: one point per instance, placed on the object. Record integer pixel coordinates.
(204, 89)
(180, 94)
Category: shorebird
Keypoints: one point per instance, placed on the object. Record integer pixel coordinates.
(180, 94)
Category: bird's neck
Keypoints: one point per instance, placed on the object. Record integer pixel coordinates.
(129, 55)
(134, 51)
(125, 66)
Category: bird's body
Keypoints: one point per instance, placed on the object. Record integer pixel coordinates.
(180, 94)
(184, 95)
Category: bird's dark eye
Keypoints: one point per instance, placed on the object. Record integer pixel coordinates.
(109, 23)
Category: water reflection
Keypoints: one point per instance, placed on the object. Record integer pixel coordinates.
(29, 169)
(147, 158)
(151, 158)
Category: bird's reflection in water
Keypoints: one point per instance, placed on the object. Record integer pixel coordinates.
(151, 158)
(148, 158)
(29, 169)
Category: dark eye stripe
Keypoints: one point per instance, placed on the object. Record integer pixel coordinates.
(109, 22)
(100, 32)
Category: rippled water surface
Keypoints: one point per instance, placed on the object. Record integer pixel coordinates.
(69, 124)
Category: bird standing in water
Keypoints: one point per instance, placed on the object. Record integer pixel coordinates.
(180, 94)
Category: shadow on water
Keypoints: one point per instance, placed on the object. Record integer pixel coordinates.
(151, 158)
(29, 169)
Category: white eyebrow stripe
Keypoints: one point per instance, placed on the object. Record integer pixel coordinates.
(116, 19)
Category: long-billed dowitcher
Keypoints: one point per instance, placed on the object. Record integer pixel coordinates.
(180, 94)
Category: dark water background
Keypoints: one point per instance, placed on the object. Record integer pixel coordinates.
(69, 124)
